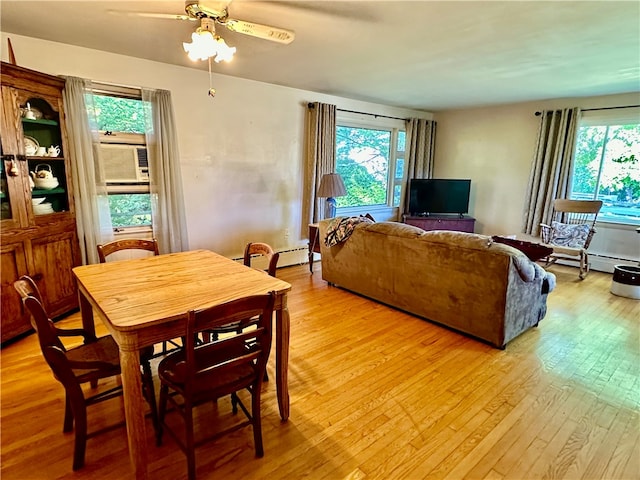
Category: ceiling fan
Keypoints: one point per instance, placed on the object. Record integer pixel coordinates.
(218, 12)
(205, 43)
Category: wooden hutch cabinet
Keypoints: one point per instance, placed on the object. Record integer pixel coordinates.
(38, 234)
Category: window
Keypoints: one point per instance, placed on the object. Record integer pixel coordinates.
(371, 162)
(607, 168)
(121, 121)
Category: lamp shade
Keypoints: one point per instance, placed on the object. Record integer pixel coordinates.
(331, 185)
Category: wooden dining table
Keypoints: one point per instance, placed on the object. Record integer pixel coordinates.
(145, 301)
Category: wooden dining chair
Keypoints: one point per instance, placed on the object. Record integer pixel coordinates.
(95, 359)
(110, 248)
(206, 372)
(107, 249)
(252, 252)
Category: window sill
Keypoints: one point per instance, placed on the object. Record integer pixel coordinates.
(631, 225)
(379, 212)
(125, 231)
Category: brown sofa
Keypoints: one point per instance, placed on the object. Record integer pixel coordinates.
(462, 280)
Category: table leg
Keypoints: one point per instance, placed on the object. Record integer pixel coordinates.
(310, 257)
(282, 358)
(134, 411)
(86, 311)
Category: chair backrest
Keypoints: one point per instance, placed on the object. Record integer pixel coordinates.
(225, 354)
(26, 286)
(262, 249)
(53, 351)
(42, 324)
(577, 212)
(127, 244)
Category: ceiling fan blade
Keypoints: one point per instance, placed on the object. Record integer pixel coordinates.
(169, 16)
(266, 32)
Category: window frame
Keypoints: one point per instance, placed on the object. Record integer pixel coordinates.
(129, 139)
(394, 126)
(606, 118)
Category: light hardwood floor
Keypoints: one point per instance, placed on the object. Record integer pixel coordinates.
(379, 394)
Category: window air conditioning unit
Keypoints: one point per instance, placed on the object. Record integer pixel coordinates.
(124, 163)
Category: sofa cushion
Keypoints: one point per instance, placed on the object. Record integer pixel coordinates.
(473, 241)
(460, 239)
(396, 229)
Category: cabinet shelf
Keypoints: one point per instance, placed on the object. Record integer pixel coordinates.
(48, 159)
(40, 121)
(41, 192)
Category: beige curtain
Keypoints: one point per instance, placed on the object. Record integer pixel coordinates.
(551, 171)
(419, 149)
(321, 158)
(167, 201)
(93, 219)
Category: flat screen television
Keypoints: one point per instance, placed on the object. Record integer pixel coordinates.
(437, 196)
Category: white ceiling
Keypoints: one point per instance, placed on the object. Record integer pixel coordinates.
(427, 55)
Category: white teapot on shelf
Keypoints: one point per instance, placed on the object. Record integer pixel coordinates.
(43, 177)
(53, 151)
(43, 171)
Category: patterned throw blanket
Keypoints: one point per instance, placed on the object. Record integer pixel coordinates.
(341, 228)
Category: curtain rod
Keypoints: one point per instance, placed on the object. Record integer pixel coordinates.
(311, 105)
(603, 108)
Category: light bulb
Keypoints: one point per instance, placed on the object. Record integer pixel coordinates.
(225, 52)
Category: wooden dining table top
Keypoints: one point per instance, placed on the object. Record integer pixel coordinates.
(134, 294)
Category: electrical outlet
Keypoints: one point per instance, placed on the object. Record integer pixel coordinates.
(286, 233)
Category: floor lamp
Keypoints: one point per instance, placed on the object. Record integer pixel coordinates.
(331, 186)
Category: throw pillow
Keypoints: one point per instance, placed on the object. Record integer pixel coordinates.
(568, 235)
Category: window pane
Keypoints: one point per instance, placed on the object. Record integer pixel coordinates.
(607, 168)
(119, 114)
(397, 191)
(399, 168)
(130, 209)
(402, 136)
(362, 159)
(587, 162)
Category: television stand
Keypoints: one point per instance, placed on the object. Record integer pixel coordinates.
(458, 223)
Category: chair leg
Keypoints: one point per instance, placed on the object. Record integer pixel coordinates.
(234, 403)
(68, 414)
(584, 265)
(256, 419)
(79, 409)
(189, 443)
(164, 394)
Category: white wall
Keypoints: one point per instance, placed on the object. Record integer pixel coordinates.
(241, 152)
(494, 146)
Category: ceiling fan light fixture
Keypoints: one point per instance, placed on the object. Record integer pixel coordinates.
(225, 52)
(206, 44)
